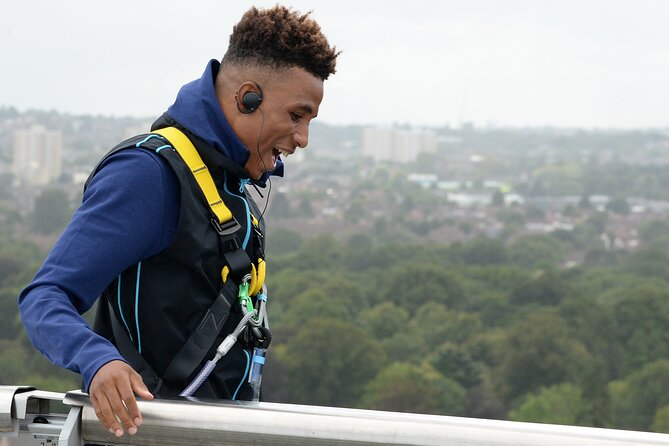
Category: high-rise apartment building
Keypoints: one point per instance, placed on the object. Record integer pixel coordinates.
(37, 155)
(399, 145)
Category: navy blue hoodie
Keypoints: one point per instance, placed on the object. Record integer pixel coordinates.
(130, 212)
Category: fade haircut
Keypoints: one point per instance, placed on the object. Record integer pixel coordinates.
(280, 38)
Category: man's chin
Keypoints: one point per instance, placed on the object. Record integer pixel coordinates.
(254, 174)
(258, 174)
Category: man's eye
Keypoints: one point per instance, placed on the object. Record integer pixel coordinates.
(295, 117)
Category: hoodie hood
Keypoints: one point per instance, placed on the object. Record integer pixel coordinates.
(197, 109)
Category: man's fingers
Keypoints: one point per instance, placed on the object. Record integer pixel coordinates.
(139, 387)
(121, 413)
(112, 393)
(105, 414)
(99, 412)
(133, 411)
(131, 405)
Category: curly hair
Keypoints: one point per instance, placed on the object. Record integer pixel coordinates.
(281, 38)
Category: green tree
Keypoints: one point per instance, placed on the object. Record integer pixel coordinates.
(593, 324)
(494, 309)
(52, 211)
(284, 285)
(283, 241)
(546, 289)
(605, 284)
(483, 401)
(332, 298)
(16, 259)
(280, 206)
(510, 218)
(13, 360)
(655, 232)
(403, 346)
(536, 251)
(502, 278)
(558, 404)
(404, 387)
(642, 318)
(305, 208)
(355, 212)
(315, 303)
(329, 362)
(621, 406)
(322, 253)
(10, 326)
(636, 400)
(653, 261)
(456, 363)
(384, 320)
(359, 250)
(435, 322)
(618, 205)
(586, 236)
(539, 351)
(413, 284)
(661, 421)
(484, 251)
(10, 267)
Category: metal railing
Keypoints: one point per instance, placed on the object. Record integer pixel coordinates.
(68, 419)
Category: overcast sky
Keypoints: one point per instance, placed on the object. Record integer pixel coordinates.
(502, 62)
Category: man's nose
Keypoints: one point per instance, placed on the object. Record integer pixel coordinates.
(302, 137)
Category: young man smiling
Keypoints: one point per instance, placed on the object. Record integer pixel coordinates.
(145, 238)
(282, 122)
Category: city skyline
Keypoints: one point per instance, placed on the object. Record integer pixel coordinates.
(518, 63)
(37, 155)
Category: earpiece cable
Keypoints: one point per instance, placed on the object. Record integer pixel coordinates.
(269, 180)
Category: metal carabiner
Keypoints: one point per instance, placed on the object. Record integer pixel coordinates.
(243, 295)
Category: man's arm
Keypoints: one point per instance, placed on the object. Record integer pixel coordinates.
(129, 212)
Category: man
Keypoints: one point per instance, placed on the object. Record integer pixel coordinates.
(150, 241)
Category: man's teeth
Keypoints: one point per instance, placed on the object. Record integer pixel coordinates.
(284, 153)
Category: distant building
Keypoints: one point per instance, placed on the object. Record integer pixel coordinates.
(426, 180)
(37, 155)
(402, 146)
(465, 200)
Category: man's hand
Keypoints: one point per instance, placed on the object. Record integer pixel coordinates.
(112, 393)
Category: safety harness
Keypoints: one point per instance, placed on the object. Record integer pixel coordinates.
(223, 221)
(254, 325)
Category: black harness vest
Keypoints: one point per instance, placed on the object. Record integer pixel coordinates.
(162, 303)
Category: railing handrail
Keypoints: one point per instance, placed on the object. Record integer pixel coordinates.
(189, 421)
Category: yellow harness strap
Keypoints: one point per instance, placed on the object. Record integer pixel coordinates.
(192, 158)
(189, 154)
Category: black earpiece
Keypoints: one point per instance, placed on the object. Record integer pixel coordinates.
(250, 101)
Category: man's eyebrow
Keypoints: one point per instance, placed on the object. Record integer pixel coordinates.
(306, 108)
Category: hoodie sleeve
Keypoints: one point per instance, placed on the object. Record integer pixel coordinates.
(129, 212)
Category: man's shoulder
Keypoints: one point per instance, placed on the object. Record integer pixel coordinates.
(135, 154)
(134, 158)
(139, 190)
(132, 171)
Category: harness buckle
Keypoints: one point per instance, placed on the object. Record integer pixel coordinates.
(228, 228)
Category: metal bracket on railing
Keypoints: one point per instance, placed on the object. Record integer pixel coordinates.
(40, 416)
(9, 424)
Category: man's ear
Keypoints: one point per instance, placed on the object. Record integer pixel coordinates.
(248, 97)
